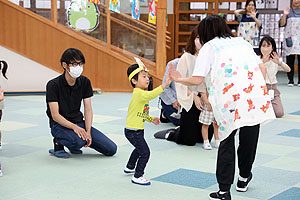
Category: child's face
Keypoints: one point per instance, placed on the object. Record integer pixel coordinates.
(266, 48)
(143, 80)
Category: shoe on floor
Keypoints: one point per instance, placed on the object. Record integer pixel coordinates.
(217, 196)
(290, 84)
(242, 186)
(207, 146)
(1, 174)
(298, 84)
(140, 181)
(129, 171)
(0, 146)
(59, 154)
(162, 134)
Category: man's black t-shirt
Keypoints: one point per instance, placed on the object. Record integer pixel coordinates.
(69, 98)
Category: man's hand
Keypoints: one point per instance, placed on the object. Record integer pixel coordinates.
(156, 121)
(88, 140)
(80, 132)
(176, 105)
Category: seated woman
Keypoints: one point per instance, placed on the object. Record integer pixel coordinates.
(189, 132)
(169, 102)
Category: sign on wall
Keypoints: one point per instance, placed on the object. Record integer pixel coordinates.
(152, 11)
(114, 5)
(135, 11)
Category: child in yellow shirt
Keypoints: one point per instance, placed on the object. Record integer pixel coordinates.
(138, 113)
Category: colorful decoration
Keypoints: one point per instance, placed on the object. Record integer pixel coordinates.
(114, 5)
(83, 15)
(135, 11)
(152, 11)
(94, 1)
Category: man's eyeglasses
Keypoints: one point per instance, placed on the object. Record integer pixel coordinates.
(75, 64)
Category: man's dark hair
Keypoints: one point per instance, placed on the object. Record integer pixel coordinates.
(71, 55)
(269, 40)
(211, 27)
(190, 46)
(130, 69)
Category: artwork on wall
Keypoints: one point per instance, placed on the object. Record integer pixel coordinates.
(114, 5)
(135, 10)
(152, 11)
(82, 15)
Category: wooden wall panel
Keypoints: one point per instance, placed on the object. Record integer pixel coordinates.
(43, 41)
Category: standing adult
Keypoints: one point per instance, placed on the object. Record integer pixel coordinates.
(189, 132)
(291, 21)
(69, 127)
(237, 93)
(249, 23)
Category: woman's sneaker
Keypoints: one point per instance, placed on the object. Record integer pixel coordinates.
(129, 171)
(242, 186)
(140, 181)
(218, 195)
(207, 146)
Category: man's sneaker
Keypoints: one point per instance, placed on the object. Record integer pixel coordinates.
(129, 171)
(207, 146)
(217, 196)
(290, 84)
(140, 181)
(242, 186)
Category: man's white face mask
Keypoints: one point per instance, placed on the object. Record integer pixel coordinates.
(75, 72)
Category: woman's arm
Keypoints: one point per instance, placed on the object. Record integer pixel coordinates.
(282, 21)
(240, 11)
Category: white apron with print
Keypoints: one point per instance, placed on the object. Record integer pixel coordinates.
(292, 32)
(250, 32)
(237, 90)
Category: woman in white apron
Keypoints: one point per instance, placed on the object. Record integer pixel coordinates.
(250, 24)
(237, 92)
(291, 21)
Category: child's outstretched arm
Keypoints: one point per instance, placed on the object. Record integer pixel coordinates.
(156, 120)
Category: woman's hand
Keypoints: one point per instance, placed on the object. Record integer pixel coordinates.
(198, 102)
(174, 74)
(286, 11)
(209, 108)
(275, 58)
(253, 14)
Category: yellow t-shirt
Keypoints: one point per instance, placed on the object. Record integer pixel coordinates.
(138, 110)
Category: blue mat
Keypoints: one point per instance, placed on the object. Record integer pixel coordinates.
(290, 194)
(296, 113)
(291, 133)
(190, 178)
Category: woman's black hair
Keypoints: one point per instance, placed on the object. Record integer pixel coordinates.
(130, 69)
(71, 55)
(248, 1)
(211, 27)
(269, 40)
(190, 46)
(4, 69)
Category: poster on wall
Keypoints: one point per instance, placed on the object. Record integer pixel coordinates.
(135, 11)
(82, 16)
(114, 5)
(152, 11)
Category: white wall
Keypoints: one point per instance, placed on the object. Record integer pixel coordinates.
(24, 74)
(282, 4)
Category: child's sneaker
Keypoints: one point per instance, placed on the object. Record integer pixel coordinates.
(207, 146)
(218, 195)
(140, 181)
(129, 171)
(242, 186)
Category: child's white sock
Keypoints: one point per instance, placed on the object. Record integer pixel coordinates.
(206, 141)
(218, 142)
